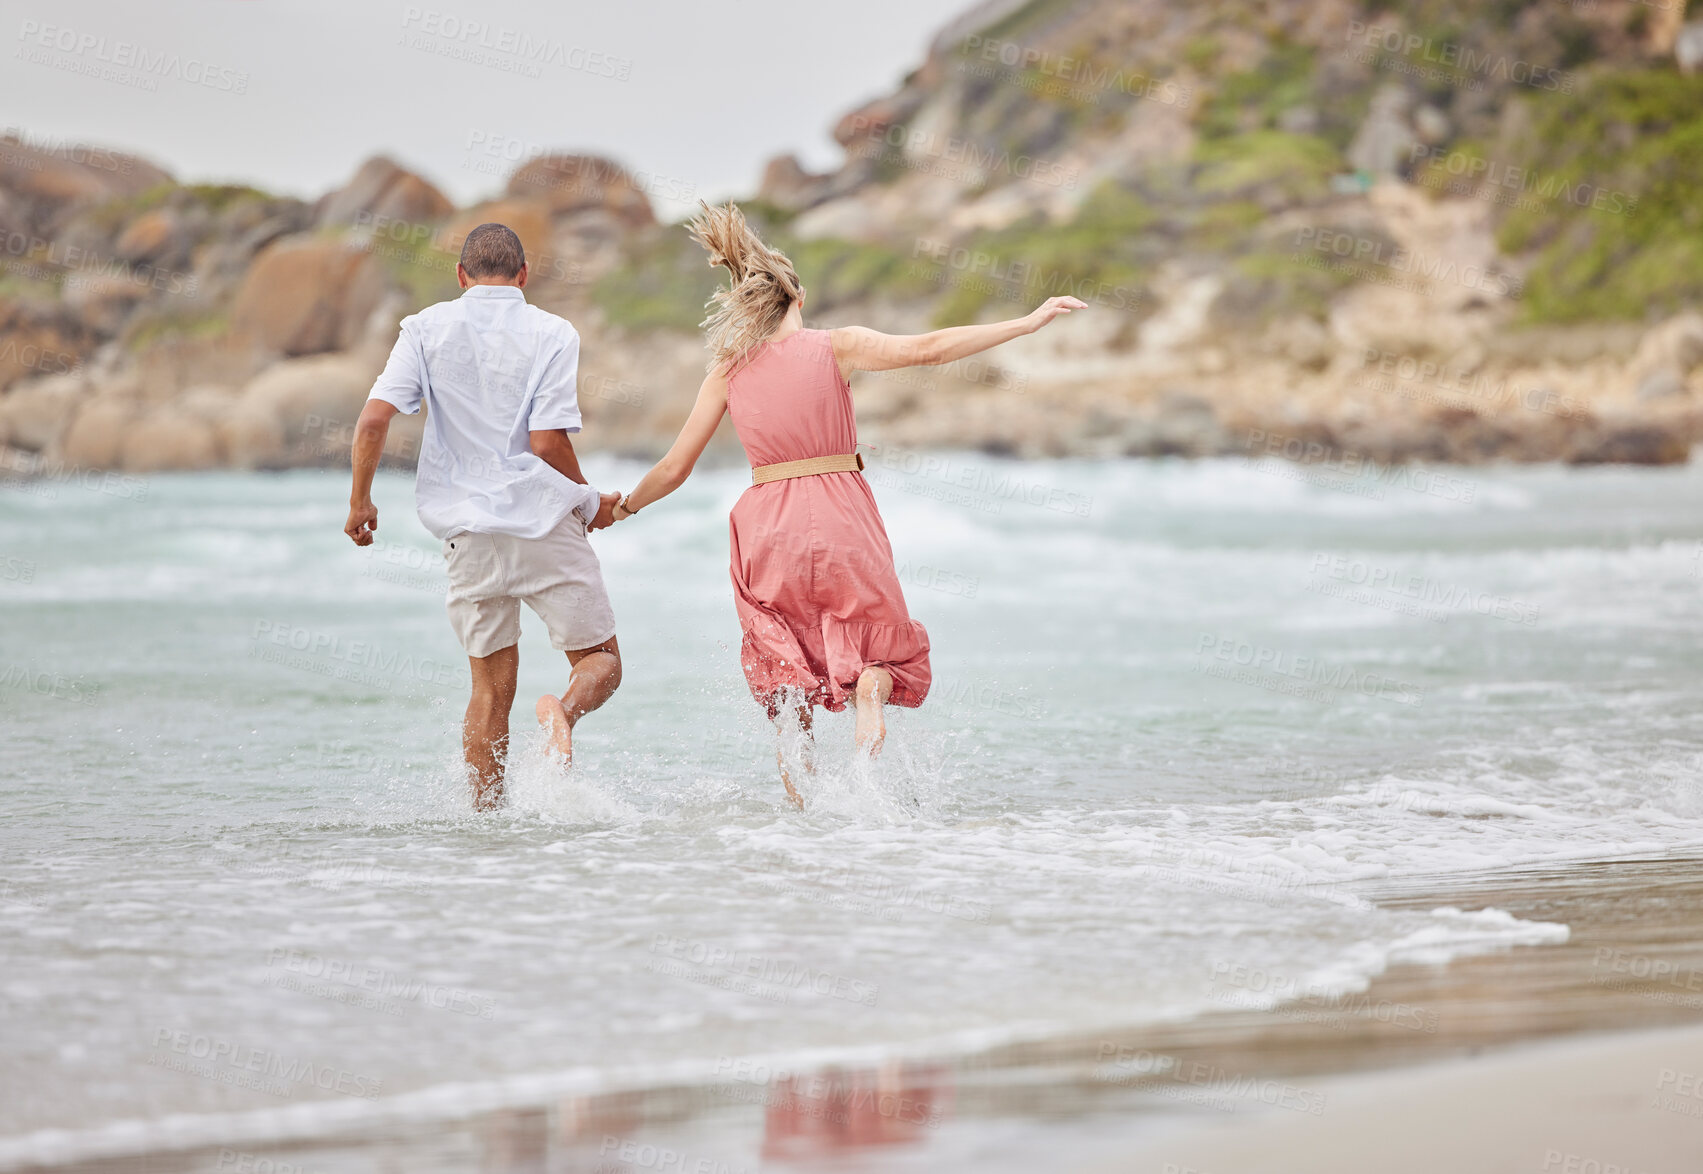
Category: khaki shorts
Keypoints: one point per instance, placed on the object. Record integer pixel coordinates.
(558, 577)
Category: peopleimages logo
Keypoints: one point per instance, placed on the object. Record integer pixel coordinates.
(958, 155)
(58, 147)
(1464, 58)
(766, 969)
(513, 50)
(357, 653)
(129, 55)
(179, 1050)
(1047, 72)
(1352, 253)
(1281, 664)
(1471, 169)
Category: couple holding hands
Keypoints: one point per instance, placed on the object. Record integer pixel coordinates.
(819, 602)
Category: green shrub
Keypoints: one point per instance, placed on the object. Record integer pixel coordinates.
(663, 284)
(1252, 99)
(1628, 140)
(152, 327)
(1100, 256)
(1296, 168)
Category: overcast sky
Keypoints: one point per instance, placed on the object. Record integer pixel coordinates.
(711, 88)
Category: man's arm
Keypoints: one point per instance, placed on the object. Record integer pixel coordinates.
(554, 448)
(554, 414)
(370, 432)
(399, 389)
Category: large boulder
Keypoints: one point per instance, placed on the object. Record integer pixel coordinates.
(308, 398)
(530, 220)
(1180, 423)
(162, 238)
(1666, 357)
(104, 302)
(305, 295)
(168, 439)
(1633, 441)
(582, 183)
(249, 437)
(865, 124)
(33, 348)
(97, 434)
(35, 414)
(383, 188)
(787, 185)
(48, 178)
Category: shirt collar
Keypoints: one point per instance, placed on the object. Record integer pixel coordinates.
(494, 291)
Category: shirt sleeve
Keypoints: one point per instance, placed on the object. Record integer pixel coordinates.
(590, 501)
(400, 384)
(555, 403)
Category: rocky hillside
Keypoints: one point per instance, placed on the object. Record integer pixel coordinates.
(1440, 231)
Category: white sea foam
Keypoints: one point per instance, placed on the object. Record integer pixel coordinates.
(1072, 834)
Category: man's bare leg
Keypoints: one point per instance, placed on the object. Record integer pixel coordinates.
(485, 730)
(802, 715)
(874, 686)
(596, 676)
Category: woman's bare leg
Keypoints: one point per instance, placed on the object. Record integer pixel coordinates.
(874, 686)
(808, 747)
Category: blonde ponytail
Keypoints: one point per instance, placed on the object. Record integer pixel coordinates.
(744, 314)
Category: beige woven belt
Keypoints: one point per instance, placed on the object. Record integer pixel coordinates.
(850, 462)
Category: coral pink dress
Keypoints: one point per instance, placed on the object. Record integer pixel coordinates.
(813, 577)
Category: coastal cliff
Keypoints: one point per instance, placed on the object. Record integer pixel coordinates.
(1325, 231)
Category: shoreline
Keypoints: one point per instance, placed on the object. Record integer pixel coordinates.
(1632, 963)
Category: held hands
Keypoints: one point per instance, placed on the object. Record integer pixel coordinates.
(362, 523)
(1052, 308)
(605, 511)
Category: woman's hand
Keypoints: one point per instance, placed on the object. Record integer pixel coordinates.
(1052, 308)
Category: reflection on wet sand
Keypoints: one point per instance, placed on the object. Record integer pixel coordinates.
(837, 1110)
(1633, 926)
(709, 1129)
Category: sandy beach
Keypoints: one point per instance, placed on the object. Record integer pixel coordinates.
(1582, 1057)
(1624, 1103)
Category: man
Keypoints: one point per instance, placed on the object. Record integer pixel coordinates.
(499, 483)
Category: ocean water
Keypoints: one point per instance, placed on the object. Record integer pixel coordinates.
(1186, 718)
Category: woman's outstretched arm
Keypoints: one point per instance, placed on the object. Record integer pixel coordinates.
(858, 348)
(671, 471)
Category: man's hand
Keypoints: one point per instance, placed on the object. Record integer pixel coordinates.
(605, 511)
(362, 523)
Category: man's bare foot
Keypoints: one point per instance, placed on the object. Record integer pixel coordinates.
(558, 731)
(874, 686)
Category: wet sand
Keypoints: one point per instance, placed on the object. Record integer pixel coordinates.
(1538, 1058)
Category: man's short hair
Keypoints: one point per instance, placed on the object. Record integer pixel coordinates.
(492, 250)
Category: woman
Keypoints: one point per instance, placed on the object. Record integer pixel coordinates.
(813, 579)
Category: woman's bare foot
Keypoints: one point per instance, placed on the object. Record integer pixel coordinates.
(558, 731)
(800, 722)
(874, 686)
(792, 795)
